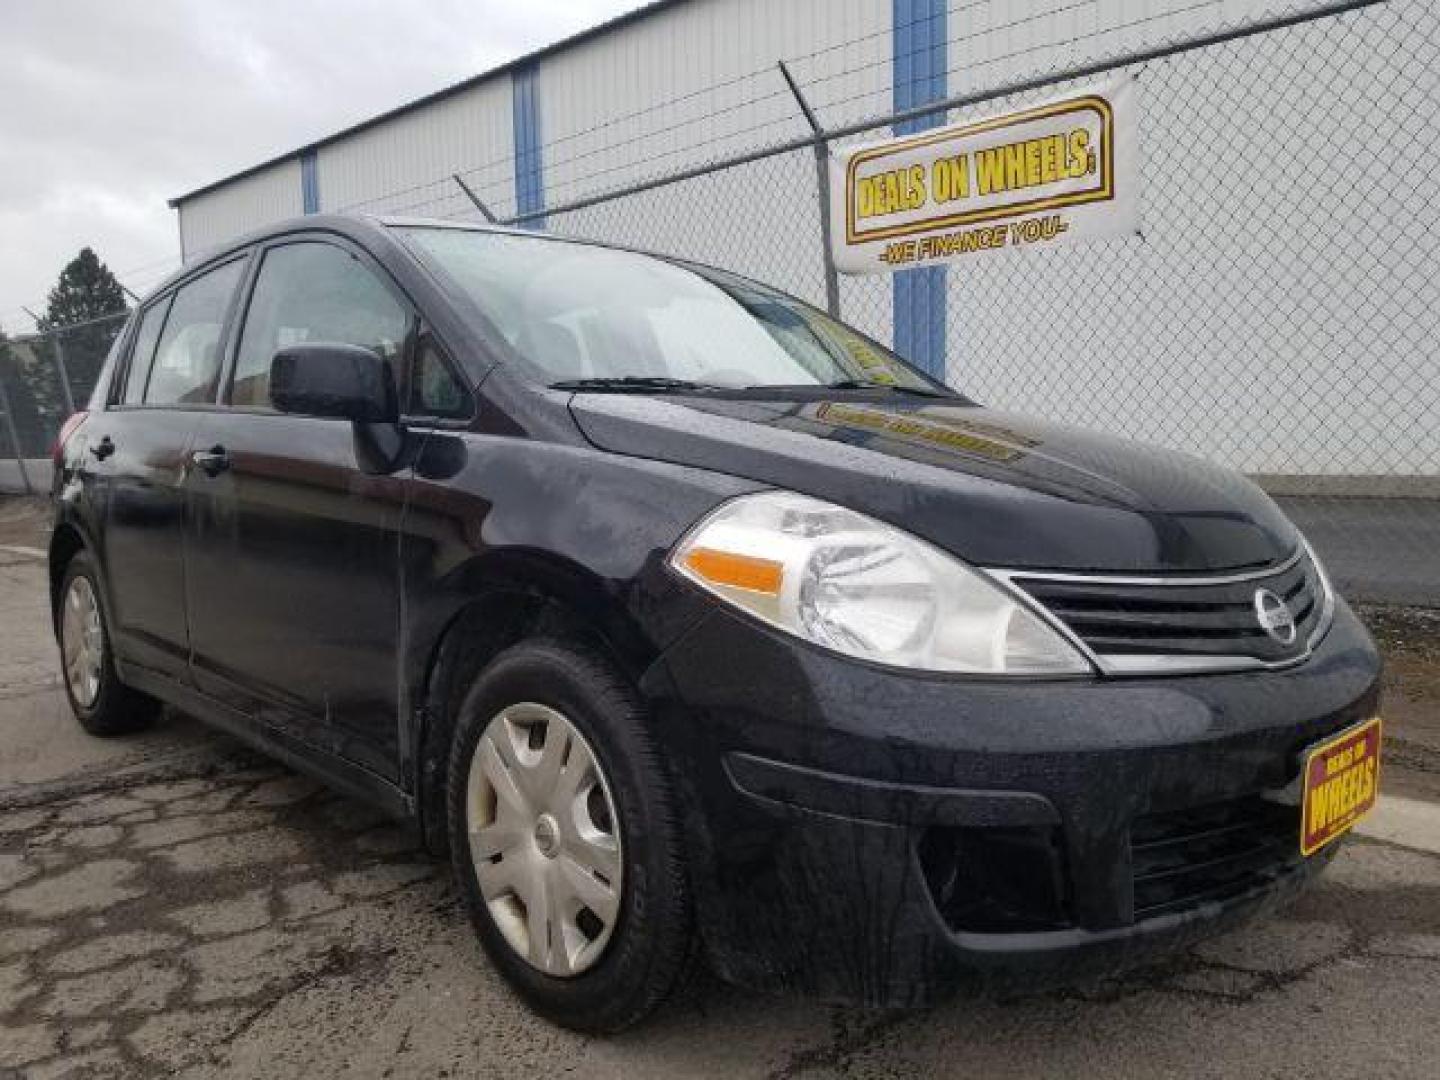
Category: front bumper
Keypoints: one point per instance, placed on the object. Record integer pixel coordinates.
(885, 838)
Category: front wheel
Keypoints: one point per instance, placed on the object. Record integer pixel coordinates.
(101, 702)
(564, 839)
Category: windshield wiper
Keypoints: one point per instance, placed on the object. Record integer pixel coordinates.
(870, 384)
(638, 383)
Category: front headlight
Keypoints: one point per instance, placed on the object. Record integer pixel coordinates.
(866, 589)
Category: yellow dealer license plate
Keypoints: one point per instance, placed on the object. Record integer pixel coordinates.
(1342, 782)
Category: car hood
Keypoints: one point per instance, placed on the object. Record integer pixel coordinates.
(995, 488)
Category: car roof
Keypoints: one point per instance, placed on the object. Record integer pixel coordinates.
(357, 227)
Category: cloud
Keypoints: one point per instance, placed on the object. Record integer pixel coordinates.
(112, 108)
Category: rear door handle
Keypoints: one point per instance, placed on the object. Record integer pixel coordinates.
(211, 462)
(103, 449)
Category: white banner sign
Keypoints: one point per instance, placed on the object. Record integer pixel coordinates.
(1058, 171)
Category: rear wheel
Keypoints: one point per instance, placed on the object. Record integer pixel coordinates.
(563, 835)
(101, 702)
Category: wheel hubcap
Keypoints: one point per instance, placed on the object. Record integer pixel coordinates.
(545, 839)
(82, 642)
(547, 836)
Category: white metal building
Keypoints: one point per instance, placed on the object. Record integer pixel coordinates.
(674, 83)
(679, 83)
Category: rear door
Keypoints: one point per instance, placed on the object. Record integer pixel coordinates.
(292, 554)
(138, 454)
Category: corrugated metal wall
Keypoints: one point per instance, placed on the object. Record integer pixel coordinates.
(404, 165)
(686, 84)
(995, 41)
(245, 204)
(697, 81)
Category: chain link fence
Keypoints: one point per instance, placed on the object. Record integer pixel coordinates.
(1278, 313)
(43, 379)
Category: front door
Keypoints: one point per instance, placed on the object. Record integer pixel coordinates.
(292, 548)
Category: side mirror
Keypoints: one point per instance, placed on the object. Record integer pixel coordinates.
(330, 379)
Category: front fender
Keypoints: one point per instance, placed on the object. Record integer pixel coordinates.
(511, 527)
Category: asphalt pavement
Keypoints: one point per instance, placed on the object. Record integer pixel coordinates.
(1382, 551)
(172, 904)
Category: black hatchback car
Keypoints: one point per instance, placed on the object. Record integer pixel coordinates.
(694, 623)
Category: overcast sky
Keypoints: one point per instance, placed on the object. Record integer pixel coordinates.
(110, 107)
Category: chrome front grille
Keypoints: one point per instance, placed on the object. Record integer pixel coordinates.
(1138, 625)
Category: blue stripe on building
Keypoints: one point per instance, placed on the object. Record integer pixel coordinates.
(529, 173)
(309, 182)
(918, 74)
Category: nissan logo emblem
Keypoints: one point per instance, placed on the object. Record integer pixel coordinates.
(1274, 617)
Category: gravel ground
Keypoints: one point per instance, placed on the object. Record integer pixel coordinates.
(173, 904)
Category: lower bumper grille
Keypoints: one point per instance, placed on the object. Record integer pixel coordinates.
(1182, 859)
(996, 880)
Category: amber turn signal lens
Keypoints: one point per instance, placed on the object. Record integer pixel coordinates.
(736, 571)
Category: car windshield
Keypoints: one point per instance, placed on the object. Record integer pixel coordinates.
(582, 314)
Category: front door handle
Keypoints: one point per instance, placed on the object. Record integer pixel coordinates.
(211, 462)
(103, 449)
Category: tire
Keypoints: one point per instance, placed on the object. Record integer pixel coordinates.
(596, 984)
(111, 707)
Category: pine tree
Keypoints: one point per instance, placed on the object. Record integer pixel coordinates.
(87, 291)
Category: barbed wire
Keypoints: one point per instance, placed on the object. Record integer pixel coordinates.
(483, 174)
(971, 66)
(496, 171)
(767, 71)
(494, 179)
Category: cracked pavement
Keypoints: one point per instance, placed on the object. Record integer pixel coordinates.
(176, 905)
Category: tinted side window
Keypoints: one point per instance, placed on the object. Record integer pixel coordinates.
(313, 292)
(187, 360)
(144, 351)
(434, 390)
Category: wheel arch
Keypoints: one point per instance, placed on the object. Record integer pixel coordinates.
(507, 597)
(66, 541)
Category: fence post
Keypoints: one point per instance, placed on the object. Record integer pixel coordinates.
(822, 187)
(65, 390)
(484, 210)
(14, 433)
